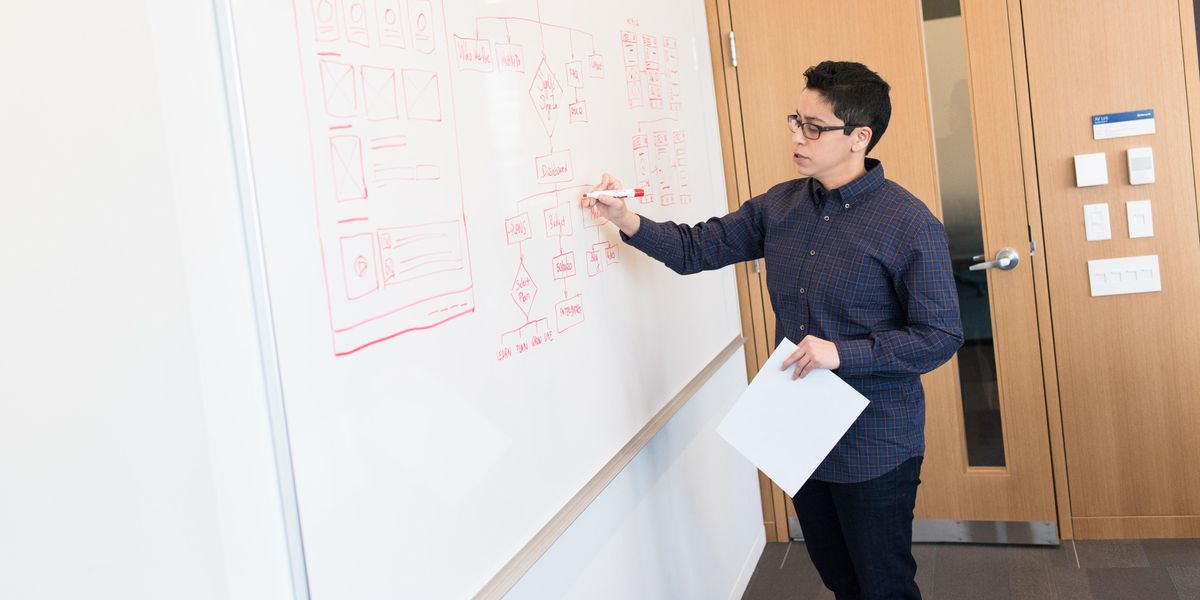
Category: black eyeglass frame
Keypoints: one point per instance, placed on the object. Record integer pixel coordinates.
(794, 123)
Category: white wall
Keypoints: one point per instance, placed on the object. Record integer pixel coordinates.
(683, 520)
(135, 457)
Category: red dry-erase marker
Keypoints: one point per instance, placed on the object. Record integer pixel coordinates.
(625, 193)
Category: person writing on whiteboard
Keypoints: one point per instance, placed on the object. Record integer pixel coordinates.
(858, 270)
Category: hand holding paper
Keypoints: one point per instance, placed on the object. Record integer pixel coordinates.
(787, 426)
(812, 353)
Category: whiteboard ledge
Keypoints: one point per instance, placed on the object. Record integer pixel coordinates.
(516, 568)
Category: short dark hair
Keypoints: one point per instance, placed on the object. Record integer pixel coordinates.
(858, 95)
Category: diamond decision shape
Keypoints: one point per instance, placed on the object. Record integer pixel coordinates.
(544, 91)
(523, 289)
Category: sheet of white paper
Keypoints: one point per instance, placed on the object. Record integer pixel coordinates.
(786, 427)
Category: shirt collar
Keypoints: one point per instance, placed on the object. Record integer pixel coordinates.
(854, 192)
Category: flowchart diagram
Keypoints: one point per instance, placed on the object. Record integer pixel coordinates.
(560, 67)
(388, 169)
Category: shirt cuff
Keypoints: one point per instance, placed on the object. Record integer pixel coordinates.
(854, 356)
(638, 239)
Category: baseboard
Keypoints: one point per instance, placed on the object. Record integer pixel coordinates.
(1132, 528)
(743, 580)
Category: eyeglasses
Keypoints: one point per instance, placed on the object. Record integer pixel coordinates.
(813, 131)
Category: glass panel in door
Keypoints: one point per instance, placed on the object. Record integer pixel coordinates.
(947, 63)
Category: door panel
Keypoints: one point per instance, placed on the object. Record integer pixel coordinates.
(1021, 490)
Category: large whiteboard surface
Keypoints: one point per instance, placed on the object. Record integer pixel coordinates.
(461, 349)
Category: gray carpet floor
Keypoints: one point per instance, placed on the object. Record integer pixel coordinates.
(1083, 570)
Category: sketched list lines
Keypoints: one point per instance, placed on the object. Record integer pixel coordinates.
(660, 161)
(651, 70)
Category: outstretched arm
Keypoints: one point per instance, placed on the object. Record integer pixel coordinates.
(685, 249)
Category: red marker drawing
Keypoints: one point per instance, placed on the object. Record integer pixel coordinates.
(625, 193)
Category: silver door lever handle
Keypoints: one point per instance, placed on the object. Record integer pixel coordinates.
(1006, 260)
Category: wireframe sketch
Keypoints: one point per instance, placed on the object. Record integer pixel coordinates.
(394, 261)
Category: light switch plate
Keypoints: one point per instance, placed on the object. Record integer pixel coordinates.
(1141, 165)
(1129, 275)
(1091, 169)
(1096, 222)
(1140, 219)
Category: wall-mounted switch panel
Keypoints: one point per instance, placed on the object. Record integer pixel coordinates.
(1090, 169)
(1141, 222)
(1129, 275)
(1096, 222)
(1141, 166)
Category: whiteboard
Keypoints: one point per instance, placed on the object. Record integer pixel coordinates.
(460, 348)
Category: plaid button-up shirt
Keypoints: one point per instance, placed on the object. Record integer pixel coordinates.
(865, 266)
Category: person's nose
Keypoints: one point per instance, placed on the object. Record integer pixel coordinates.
(798, 137)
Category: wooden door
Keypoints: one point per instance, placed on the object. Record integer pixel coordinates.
(775, 41)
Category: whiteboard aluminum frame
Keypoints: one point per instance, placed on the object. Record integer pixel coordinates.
(252, 230)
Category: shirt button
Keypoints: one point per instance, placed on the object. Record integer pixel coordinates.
(801, 290)
(812, 252)
(801, 328)
(826, 218)
(845, 206)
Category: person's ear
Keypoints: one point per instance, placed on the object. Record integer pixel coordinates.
(862, 139)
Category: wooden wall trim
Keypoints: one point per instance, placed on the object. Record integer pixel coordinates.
(755, 324)
(1124, 528)
(1187, 33)
(1041, 281)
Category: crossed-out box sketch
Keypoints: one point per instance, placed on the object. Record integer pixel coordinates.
(346, 160)
(379, 93)
(340, 89)
(422, 95)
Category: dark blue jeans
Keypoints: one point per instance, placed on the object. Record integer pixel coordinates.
(859, 535)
